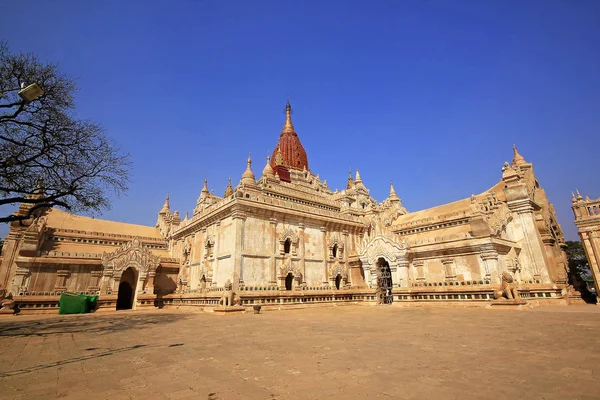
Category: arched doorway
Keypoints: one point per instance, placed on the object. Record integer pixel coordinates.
(384, 282)
(338, 281)
(289, 280)
(127, 287)
(203, 282)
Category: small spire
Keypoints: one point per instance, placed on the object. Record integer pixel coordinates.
(268, 170)
(393, 196)
(518, 158)
(358, 177)
(579, 197)
(166, 208)
(204, 193)
(573, 199)
(248, 175)
(350, 184)
(228, 189)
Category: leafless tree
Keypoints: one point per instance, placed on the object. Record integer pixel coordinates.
(43, 138)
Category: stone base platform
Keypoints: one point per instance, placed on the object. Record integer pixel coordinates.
(228, 310)
(508, 304)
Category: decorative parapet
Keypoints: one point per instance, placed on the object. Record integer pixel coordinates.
(585, 209)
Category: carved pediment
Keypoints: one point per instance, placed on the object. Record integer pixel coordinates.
(131, 254)
(382, 246)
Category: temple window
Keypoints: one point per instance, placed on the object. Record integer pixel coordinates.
(334, 251)
(287, 246)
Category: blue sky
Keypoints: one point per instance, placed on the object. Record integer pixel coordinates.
(428, 94)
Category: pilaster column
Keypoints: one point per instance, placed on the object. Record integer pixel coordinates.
(96, 277)
(302, 251)
(150, 284)
(61, 280)
(325, 255)
(589, 245)
(20, 280)
(106, 282)
(140, 287)
(369, 277)
(217, 252)
(238, 220)
(449, 269)
(536, 261)
(419, 273)
(490, 266)
(273, 261)
(345, 257)
(402, 273)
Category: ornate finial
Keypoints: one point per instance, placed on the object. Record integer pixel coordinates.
(579, 197)
(248, 175)
(573, 199)
(518, 158)
(288, 127)
(228, 189)
(166, 208)
(268, 170)
(358, 179)
(393, 196)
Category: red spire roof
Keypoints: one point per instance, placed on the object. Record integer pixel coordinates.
(294, 155)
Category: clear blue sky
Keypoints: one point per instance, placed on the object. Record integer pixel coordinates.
(428, 94)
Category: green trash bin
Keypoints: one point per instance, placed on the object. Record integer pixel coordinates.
(73, 303)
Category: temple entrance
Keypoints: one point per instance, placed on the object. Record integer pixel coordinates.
(338, 281)
(384, 282)
(126, 290)
(203, 282)
(289, 279)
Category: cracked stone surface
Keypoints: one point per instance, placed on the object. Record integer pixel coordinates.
(346, 352)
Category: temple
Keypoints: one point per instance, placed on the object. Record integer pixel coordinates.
(283, 237)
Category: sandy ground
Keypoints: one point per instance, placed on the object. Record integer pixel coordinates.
(349, 352)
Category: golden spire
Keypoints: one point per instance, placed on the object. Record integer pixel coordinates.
(578, 195)
(288, 127)
(228, 189)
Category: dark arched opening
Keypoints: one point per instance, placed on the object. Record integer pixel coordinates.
(126, 290)
(203, 282)
(334, 250)
(384, 282)
(286, 246)
(289, 279)
(338, 281)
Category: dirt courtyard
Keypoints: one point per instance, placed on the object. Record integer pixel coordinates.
(345, 352)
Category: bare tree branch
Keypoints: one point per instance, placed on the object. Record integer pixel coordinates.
(81, 167)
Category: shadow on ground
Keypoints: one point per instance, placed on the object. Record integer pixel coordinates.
(105, 324)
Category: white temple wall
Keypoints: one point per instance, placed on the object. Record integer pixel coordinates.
(256, 271)
(313, 242)
(315, 273)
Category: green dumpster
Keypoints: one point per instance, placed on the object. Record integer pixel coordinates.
(73, 303)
